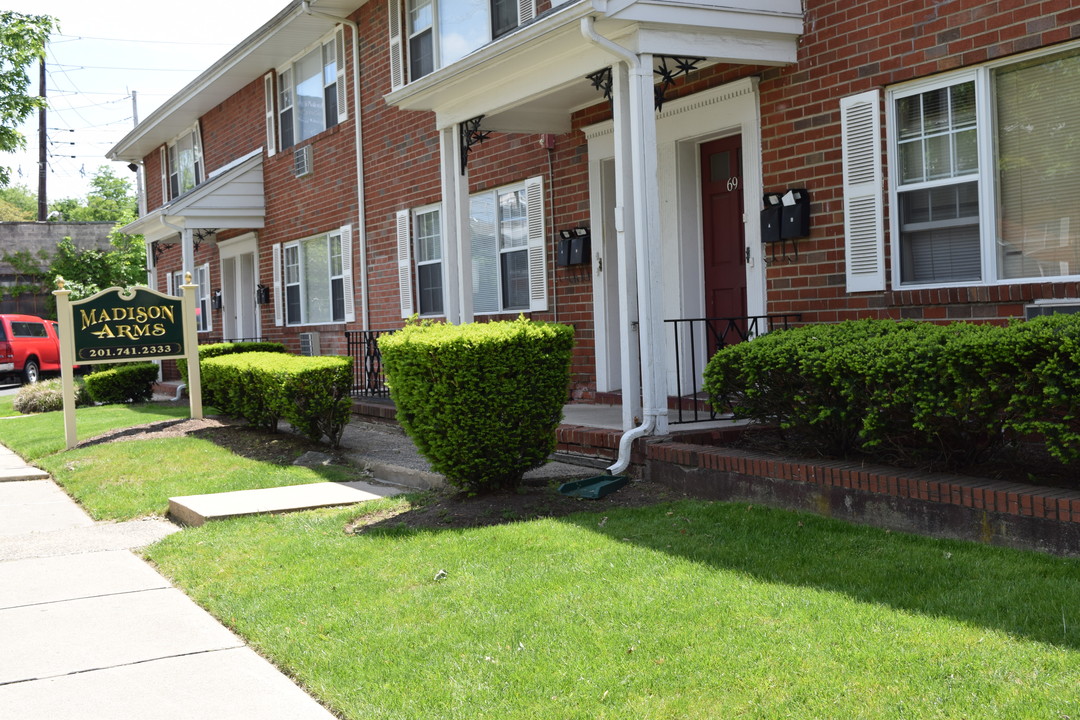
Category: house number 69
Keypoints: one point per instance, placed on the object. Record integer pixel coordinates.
(732, 183)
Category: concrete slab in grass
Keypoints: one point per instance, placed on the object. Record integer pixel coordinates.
(198, 509)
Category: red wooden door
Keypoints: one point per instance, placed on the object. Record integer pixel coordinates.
(722, 221)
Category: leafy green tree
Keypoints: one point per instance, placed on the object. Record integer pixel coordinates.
(17, 204)
(22, 45)
(91, 270)
(110, 199)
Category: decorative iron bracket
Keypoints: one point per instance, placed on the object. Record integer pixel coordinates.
(471, 134)
(200, 234)
(671, 68)
(157, 248)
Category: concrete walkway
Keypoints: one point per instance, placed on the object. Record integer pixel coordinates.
(88, 630)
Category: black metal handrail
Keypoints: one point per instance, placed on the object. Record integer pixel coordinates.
(368, 378)
(714, 333)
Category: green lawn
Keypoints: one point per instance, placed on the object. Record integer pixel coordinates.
(35, 436)
(124, 480)
(693, 610)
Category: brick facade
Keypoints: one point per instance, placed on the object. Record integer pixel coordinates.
(847, 47)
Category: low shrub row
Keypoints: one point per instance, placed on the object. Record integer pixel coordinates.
(948, 393)
(130, 382)
(481, 401)
(228, 348)
(310, 393)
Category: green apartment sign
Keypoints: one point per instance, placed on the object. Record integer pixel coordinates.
(119, 325)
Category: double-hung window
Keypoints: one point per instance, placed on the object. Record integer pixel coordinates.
(314, 279)
(439, 32)
(311, 92)
(425, 244)
(986, 168)
(509, 272)
(182, 165)
(200, 278)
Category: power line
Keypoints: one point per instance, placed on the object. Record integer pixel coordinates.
(72, 68)
(73, 38)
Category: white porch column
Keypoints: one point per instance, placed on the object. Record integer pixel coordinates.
(627, 248)
(456, 232)
(647, 235)
(187, 254)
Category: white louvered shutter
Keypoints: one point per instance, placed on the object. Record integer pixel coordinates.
(404, 263)
(279, 285)
(534, 212)
(342, 95)
(864, 225)
(268, 93)
(397, 46)
(347, 273)
(526, 11)
(163, 157)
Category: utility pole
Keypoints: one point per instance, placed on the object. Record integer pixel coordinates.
(43, 141)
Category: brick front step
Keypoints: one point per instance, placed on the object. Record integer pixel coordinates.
(946, 505)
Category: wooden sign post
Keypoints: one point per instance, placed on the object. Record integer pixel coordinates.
(118, 326)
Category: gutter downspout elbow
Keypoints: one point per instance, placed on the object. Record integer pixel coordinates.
(359, 133)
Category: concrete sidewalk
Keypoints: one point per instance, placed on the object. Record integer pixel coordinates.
(88, 630)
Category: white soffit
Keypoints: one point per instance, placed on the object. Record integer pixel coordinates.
(285, 35)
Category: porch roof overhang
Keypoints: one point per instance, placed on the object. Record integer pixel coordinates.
(534, 78)
(233, 199)
(275, 43)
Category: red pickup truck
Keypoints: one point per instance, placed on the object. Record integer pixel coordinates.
(29, 346)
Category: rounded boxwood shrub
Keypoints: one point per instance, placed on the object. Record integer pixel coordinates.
(229, 348)
(47, 396)
(133, 382)
(482, 400)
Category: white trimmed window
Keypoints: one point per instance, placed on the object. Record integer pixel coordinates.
(314, 279)
(439, 32)
(509, 272)
(986, 168)
(311, 92)
(424, 242)
(184, 168)
(201, 278)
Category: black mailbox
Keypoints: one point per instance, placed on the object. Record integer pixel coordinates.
(262, 295)
(563, 257)
(795, 222)
(580, 249)
(771, 218)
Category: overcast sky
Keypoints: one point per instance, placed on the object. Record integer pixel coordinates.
(105, 51)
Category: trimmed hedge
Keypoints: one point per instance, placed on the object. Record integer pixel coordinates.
(310, 393)
(228, 348)
(948, 393)
(47, 396)
(481, 401)
(132, 382)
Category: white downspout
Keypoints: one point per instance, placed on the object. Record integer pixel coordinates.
(358, 129)
(652, 409)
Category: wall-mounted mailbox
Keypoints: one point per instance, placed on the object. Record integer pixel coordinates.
(262, 295)
(215, 300)
(575, 247)
(795, 215)
(771, 218)
(562, 259)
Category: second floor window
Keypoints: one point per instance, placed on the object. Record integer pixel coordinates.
(440, 32)
(311, 92)
(185, 163)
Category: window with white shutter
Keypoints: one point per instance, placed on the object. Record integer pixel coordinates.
(268, 97)
(404, 263)
(864, 226)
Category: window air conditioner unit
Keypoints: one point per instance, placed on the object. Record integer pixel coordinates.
(302, 161)
(1050, 307)
(309, 344)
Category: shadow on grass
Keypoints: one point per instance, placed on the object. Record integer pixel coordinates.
(1025, 594)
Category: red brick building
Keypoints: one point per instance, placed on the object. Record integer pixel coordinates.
(825, 159)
